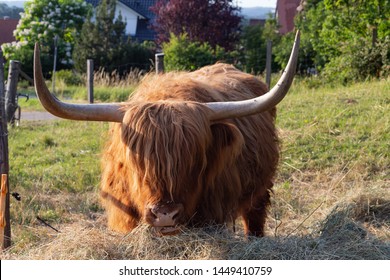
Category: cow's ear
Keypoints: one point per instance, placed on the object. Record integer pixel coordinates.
(227, 143)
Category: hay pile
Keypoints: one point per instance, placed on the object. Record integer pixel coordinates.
(358, 229)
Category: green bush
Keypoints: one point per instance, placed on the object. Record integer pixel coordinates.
(104, 93)
(358, 61)
(25, 54)
(254, 49)
(129, 56)
(182, 54)
(69, 77)
(103, 39)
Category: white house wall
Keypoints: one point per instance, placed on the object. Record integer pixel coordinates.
(128, 15)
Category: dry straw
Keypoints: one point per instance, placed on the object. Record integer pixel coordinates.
(345, 233)
(106, 79)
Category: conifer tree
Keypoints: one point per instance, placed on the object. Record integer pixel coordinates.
(101, 39)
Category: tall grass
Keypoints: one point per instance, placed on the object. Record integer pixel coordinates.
(331, 198)
(108, 87)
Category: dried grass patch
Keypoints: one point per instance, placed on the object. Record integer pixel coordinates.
(348, 231)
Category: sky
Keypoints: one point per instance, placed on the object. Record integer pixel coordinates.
(241, 3)
(256, 3)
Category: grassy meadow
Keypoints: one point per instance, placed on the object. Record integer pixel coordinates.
(331, 198)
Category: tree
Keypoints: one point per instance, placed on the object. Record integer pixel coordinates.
(182, 54)
(213, 21)
(41, 22)
(255, 48)
(12, 12)
(100, 37)
(351, 37)
(103, 40)
(345, 40)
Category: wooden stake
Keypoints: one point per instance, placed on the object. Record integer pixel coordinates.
(159, 58)
(90, 80)
(4, 162)
(3, 195)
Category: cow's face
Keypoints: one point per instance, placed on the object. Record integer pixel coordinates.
(174, 152)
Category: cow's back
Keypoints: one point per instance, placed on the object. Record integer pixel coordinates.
(218, 82)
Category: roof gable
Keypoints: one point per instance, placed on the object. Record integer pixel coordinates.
(138, 17)
(139, 6)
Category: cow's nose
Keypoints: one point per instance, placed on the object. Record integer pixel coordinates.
(165, 215)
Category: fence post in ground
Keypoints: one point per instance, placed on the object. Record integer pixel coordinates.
(10, 94)
(268, 63)
(54, 63)
(90, 80)
(4, 164)
(159, 57)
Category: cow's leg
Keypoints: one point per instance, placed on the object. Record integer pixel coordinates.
(254, 217)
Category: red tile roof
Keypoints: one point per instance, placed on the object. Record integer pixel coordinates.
(7, 27)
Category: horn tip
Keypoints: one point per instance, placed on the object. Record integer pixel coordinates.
(36, 48)
(36, 53)
(298, 35)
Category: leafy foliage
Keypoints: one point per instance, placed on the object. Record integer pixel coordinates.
(358, 61)
(68, 77)
(346, 40)
(12, 12)
(41, 22)
(103, 40)
(255, 48)
(215, 22)
(183, 54)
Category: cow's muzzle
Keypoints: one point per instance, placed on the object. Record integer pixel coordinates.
(165, 218)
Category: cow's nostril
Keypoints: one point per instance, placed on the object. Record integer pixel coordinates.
(152, 215)
(164, 215)
(153, 211)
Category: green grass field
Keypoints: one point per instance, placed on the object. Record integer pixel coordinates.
(331, 199)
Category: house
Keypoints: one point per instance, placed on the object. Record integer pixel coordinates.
(138, 17)
(7, 27)
(256, 21)
(285, 13)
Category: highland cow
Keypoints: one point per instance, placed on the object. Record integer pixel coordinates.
(188, 148)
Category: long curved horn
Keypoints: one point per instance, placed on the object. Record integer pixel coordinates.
(110, 112)
(234, 109)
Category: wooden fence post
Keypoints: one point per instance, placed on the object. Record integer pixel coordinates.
(3, 206)
(10, 94)
(159, 57)
(90, 80)
(4, 164)
(54, 64)
(268, 64)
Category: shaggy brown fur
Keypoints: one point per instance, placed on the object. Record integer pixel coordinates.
(167, 150)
